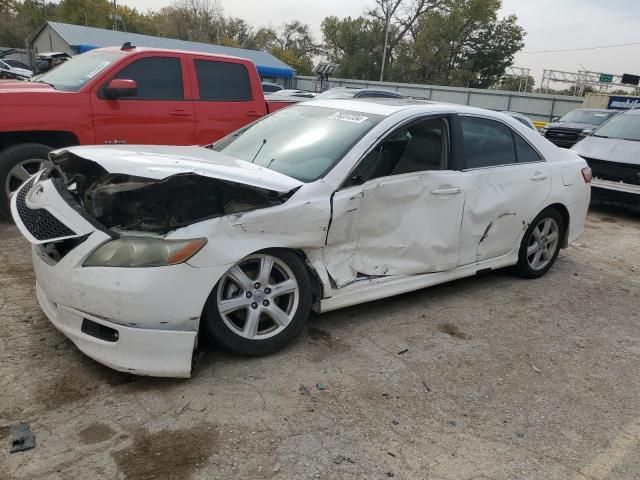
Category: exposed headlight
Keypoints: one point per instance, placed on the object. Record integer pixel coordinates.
(143, 252)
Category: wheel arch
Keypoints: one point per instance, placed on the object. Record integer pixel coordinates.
(51, 138)
(564, 213)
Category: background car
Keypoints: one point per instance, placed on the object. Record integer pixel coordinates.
(523, 119)
(268, 87)
(47, 60)
(575, 125)
(352, 92)
(613, 153)
(15, 68)
(289, 95)
(322, 205)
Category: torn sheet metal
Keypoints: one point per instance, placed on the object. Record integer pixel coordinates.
(22, 438)
(394, 226)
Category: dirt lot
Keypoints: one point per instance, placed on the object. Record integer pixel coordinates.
(486, 378)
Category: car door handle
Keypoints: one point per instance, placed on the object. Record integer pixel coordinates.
(179, 113)
(539, 176)
(254, 114)
(446, 191)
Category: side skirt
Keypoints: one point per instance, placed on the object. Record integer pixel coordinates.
(367, 290)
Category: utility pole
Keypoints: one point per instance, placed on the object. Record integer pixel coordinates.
(386, 42)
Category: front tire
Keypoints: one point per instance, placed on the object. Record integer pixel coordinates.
(17, 164)
(260, 304)
(541, 244)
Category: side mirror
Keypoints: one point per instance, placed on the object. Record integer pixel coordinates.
(586, 132)
(121, 87)
(555, 119)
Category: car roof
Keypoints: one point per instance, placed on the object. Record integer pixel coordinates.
(389, 106)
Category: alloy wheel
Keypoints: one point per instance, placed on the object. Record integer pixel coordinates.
(21, 173)
(258, 297)
(543, 243)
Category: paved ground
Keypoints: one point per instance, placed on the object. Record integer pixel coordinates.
(500, 378)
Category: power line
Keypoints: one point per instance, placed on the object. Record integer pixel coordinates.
(586, 48)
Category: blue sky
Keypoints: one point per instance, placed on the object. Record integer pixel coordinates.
(551, 25)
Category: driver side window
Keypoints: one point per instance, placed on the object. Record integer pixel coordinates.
(419, 146)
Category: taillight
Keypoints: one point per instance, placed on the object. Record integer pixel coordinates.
(586, 174)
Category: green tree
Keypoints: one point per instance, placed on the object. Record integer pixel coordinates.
(355, 44)
(292, 43)
(517, 84)
(92, 13)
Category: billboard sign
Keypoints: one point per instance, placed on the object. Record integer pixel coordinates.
(623, 103)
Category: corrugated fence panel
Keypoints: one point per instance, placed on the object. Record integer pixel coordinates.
(538, 107)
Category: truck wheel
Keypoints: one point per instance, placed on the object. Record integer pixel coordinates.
(17, 164)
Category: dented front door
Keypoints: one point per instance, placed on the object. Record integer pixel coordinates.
(500, 202)
(397, 225)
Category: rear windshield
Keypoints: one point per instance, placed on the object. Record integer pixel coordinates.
(73, 74)
(301, 141)
(591, 117)
(624, 127)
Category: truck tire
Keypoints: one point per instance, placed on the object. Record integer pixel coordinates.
(17, 163)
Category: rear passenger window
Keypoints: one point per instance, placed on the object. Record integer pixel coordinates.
(487, 143)
(158, 78)
(526, 153)
(223, 81)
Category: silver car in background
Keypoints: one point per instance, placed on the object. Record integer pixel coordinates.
(613, 153)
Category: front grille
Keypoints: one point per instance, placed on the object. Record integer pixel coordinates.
(563, 135)
(40, 223)
(617, 172)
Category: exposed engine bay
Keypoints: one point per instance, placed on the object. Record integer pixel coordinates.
(125, 202)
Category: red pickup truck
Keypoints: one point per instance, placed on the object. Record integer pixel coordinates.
(124, 95)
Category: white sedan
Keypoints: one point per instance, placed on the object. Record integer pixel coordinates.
(141, 250)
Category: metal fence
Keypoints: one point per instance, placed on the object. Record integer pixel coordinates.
(538, 107)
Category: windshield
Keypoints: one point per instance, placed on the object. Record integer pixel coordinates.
(302, 141)
(624, 127)
(73, 74)
(592, 117)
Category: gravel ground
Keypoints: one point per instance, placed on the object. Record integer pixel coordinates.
(490, 377)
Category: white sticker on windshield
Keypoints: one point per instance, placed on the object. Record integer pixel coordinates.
(349, 117)
(600, 114)
(98, 69)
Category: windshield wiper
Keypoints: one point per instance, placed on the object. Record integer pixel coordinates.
(47, 83)
(599, 136)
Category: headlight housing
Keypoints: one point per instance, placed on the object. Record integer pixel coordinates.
(543, 131)
(143, 252)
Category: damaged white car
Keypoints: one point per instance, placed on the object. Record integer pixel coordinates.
(140, 250)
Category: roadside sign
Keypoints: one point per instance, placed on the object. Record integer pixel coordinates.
(623, 103)
(606, 78)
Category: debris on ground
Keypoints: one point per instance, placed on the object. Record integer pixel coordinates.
(321, 386)
(276, 468)
(402, 352)
(426, 386)
(535, 369)
(22, 438)
(395, 422)
(451, 423)
(304, 390)
(391, 454)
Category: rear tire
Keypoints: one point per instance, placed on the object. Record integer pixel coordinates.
(17, 163)
(260, 304)
(540, 244)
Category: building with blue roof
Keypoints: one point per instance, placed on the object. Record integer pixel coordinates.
(76, 39)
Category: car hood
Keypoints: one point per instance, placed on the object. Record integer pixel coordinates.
(570, 126)
(11, 86)
(161, 162)
(609, 149)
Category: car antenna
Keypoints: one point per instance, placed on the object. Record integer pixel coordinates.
(259, 150)
(127, 46)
